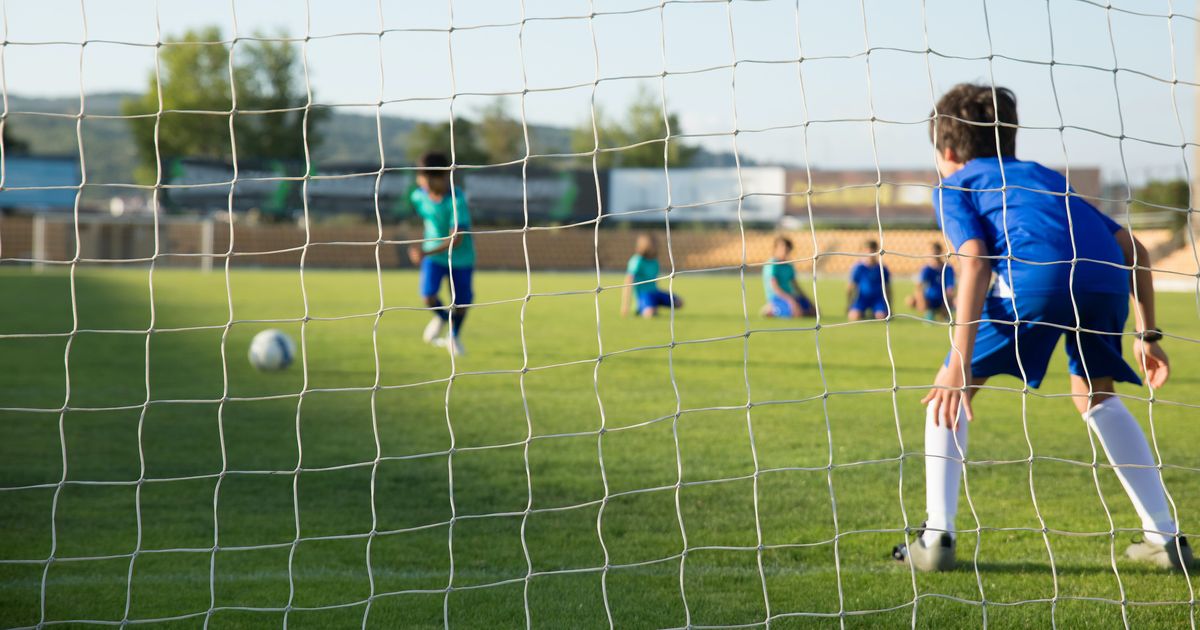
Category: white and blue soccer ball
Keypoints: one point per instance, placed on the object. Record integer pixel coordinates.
(272, 350)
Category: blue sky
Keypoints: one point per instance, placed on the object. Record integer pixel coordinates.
(696, 44)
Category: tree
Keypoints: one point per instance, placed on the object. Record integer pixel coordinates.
(1159, 196)
(496, 138)
(269, 78)
(643, 123)
(436, 137)
(195, 76)
(12, 144)
(500, 135)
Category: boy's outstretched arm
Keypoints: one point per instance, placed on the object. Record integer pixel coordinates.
(1150, 357)
(416, 253)
(948, 391)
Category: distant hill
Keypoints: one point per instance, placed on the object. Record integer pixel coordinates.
(111, 157)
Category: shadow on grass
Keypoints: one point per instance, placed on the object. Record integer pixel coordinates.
(795, 365)
(1062, 569)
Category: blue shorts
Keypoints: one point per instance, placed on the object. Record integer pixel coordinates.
(1001, 339)
(782, 308)
(434, 272)
(654, 299)
(874, 303)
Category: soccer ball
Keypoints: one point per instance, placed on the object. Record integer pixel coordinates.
(272, 350)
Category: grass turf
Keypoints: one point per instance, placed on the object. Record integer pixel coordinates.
(215, 522)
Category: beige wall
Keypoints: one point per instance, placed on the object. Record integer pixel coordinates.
(575, 248)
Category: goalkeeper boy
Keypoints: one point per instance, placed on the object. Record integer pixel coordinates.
(1062, 269)
(447, 251)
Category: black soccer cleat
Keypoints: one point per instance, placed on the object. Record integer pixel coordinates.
(939, 557)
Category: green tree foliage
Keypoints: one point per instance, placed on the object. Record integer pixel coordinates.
(436, 137)
(12, 144)
(270, 78)
(1172, 196)
(500, 135)
(496, 137)
(642, 123)
(195, 78)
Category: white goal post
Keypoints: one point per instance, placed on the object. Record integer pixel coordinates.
(52, 239)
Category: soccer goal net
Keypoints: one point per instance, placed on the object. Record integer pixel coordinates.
(597, 313)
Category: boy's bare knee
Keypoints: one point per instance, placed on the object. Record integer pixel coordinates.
(1089, 393)
(1084, 402)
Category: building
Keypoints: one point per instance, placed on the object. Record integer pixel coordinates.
(891, 197)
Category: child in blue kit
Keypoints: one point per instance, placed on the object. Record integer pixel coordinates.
(870, 289)
(1061, 269)
(448, 251)
(784, 296)
(935, 286)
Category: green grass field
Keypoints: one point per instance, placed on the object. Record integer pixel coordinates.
(534, 484)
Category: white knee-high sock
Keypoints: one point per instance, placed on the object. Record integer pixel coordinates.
(945, 451)
(1125, 443)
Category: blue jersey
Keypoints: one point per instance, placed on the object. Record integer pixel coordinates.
(869, 281)
(644, 272)
(935, 279)
(1029, 221)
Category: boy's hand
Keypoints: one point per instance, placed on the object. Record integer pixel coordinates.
(948, 395)
(1152, 359)
(415, 254)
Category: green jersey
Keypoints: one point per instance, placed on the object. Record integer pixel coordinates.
(440, 220)
(645, 271)
(782, 272)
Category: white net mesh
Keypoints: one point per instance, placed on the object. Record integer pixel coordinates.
(717, 470)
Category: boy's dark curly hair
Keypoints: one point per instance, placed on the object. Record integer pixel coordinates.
(969, 117)
(433, 163)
